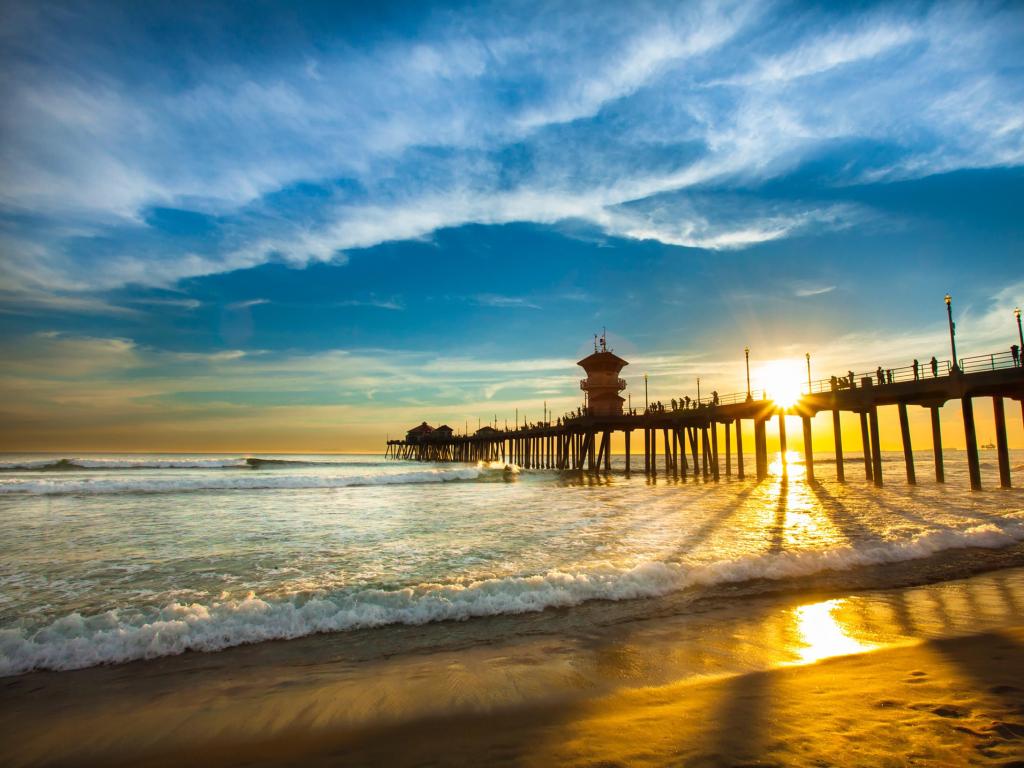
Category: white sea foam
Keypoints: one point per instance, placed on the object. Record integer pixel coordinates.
(75, 641)
(248, 462)
(79, 463)
(49, 487)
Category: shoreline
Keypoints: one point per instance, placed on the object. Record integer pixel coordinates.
(469, 694)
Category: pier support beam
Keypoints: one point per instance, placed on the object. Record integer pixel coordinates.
(760, 449)
(681, 447)
(971, 437)
(808, 448)
(782, 444)
(728, 452)
(705, 453)
(739, 448)
(837, 432)
(628, 433)
(940, 469)
(1001, 443)
(876, 450)
(908, 449)
(668, 452)
(647, 450)
(865, 442)
(714, 451)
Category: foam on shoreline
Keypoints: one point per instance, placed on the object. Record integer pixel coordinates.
(75, 641)
(150, 484)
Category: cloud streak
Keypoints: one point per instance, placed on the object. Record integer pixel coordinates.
(621, 118)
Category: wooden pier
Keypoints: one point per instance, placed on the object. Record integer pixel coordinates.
(703, 439)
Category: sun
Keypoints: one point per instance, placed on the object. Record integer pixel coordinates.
(782, 381)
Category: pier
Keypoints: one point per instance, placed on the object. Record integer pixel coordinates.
(703, 438)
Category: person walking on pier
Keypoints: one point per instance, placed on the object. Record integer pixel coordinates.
(888, 376)
(1015, 351)
(917, 370)
(853, 383)
(880, 375)
(935, 367)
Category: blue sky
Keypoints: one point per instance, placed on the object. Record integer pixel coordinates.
(225, 225)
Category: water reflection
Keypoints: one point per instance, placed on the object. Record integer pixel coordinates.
(821, 634)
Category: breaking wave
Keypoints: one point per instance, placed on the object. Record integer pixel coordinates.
(75, 641)
(232, 482)
(73, 464)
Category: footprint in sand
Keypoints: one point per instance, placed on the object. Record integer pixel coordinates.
(950, 710)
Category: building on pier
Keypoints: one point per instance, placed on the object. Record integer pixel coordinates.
(603, 384)
(415, 434)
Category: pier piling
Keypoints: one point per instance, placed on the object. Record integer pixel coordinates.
(739, 448)
(808, 448)
(1001, 443)
(837, 432)
(865, 442)
(876, 450)
(971, 438)
(908, 450)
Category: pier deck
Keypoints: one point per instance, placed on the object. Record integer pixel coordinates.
(583, 443)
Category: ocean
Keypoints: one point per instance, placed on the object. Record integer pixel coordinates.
(108, 558)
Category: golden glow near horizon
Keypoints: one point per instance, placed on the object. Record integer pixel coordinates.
(821, 634)
(782, 380)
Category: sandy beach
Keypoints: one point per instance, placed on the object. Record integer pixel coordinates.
(917, 675)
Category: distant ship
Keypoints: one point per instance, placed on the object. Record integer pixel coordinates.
(988, 447)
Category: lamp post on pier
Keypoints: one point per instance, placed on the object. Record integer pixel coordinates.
(1020, 333)
(698, 390)
(952, 330)
(808, 356)
(746, 354)
(646, 401)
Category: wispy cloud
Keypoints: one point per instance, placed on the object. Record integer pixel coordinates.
(612, 107)
(392, 303)
(246, 304)
(496, 300)
(816, 290)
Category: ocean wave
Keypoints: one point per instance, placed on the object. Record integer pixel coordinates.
(248, 462)
(75, 641)
(231, 482)
(77, 464)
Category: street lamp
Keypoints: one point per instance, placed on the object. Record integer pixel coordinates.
(952, 329)
(1020, 334)
(698, 391)
(746, 353)
(646, 402)
(808, 356)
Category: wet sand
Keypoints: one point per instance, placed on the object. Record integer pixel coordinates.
(920, 675)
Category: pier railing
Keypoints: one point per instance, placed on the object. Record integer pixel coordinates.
(888, 376)
(990, 362)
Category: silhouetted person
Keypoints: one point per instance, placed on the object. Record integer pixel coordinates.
(1015, 351)
(714, 396)
(888, 375)
(880, 375)
(935, 367)
(917, 370)
(853, 384)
